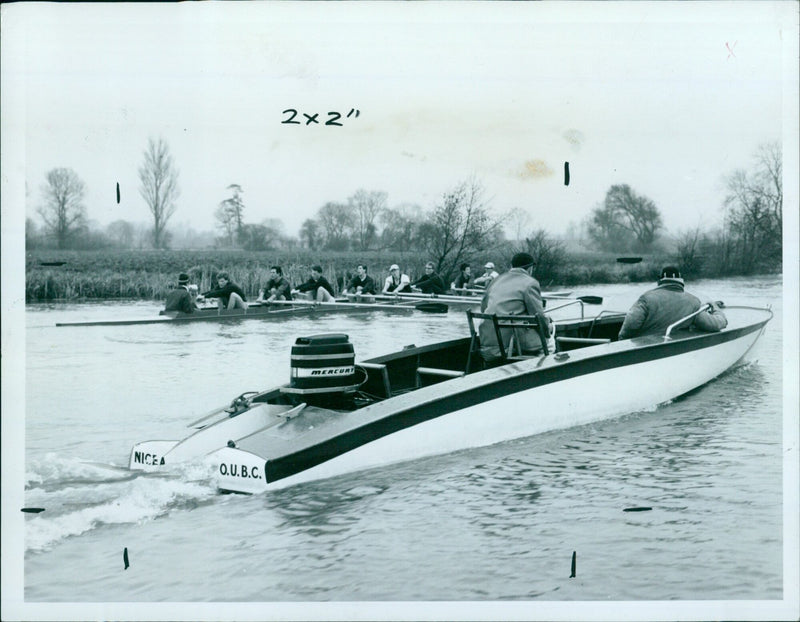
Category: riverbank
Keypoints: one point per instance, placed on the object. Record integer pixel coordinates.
(145, 274)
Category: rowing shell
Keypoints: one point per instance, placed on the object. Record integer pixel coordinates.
(275, 310)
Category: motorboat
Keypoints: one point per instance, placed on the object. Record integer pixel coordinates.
(336, 416)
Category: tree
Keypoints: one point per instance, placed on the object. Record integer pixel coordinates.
(518, 220)
(336, 220)
(122, 233)
(366, 207)
(548, 253)
(401, 226)
(264, 237)
(225, 222)
(459, 227)
(159, 189)
(625, 220)
(63, 211)
(309, 233)
(230, 214)
(754, 205)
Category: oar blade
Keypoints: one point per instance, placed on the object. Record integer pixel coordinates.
(432, 307)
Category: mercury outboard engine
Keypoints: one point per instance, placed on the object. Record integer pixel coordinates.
(323, 370)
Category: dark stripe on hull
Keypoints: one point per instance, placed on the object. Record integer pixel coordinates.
(304, 459)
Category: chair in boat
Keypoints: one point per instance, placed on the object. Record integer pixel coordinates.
(516, 322)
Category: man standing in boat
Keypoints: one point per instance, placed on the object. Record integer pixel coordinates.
(430, 282)
(229, 294)
(396, 282)
(361, 283)
(515, 292)
(318, 286)
(277, 288)
(657, 308)
(179, 298)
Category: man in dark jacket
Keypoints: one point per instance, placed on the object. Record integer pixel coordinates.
(277, 288)
(179, 299)
(320, 288)
(229, 294)
(666, 304)
(361, 283)
(430, 282)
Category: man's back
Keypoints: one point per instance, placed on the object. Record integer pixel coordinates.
(178, 299)
(657, 309)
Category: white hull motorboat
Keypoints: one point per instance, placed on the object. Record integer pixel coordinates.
(336, 417)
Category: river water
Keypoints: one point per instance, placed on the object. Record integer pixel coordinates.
(498, 523)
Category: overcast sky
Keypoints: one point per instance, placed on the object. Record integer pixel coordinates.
(666, 97)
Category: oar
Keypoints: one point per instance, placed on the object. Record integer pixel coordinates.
(591, 300)
(345, 305)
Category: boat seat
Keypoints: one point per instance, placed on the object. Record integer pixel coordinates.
(500, 321)
(432, 375)
(377, 379)
(572, 343)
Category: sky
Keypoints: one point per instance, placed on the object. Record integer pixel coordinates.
(666, 97)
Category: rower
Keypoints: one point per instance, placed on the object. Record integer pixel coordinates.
(396, 282)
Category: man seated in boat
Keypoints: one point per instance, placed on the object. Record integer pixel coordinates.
(430, 282)
(194, 292)
(361, 284)
(228, 293)
(515, 292)
(463, 280)
(179, 299)
(396, 281)
(317, 286)
(276, 288)
(657, 308)
(489, 275)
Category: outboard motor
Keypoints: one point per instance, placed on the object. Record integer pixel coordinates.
(323, 370)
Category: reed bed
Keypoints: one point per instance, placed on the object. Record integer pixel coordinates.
(151, 274)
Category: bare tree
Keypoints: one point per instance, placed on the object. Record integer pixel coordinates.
(459, 227)
(518, 221)
(366, 207)
(63, 211)
(688, 246)
(754, 205)
(159, 187)
(625, 220)
(548, 253)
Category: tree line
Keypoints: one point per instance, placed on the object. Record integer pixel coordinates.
(459, 227)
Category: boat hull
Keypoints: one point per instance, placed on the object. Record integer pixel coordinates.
(520, 399)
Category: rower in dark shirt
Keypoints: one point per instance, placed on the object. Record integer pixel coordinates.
(229, 294)
(430, 282)
(361, 283)
(277, 288)
(321, 290)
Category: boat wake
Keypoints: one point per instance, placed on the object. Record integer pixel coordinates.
(67, 497)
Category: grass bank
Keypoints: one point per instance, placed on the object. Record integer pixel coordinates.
(73, 275)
